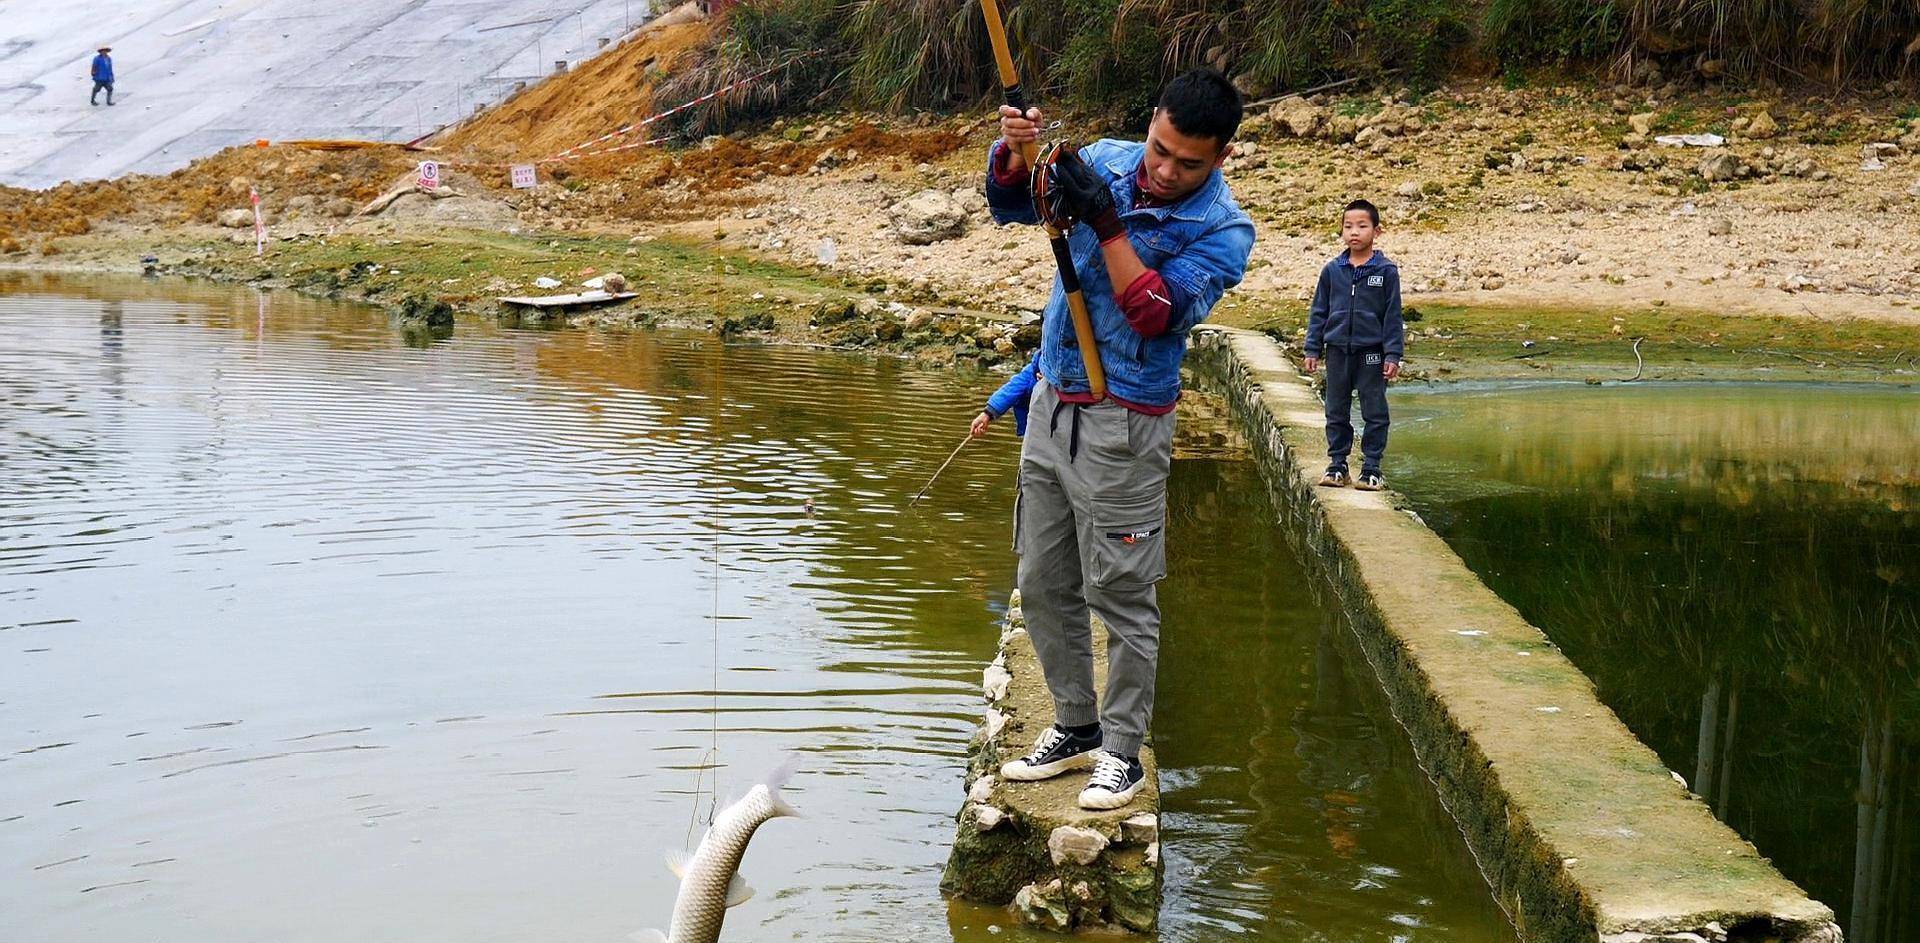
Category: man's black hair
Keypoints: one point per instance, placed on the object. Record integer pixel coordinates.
(1373, 213)
(1202, 104)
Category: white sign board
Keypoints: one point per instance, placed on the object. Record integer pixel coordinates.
(524, 176)
(259, 223)
(429, 175)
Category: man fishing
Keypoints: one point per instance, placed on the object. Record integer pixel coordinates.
(1155, 239)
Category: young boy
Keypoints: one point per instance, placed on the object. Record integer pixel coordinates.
(1355, 328)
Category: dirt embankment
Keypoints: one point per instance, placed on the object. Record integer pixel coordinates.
(606, 92)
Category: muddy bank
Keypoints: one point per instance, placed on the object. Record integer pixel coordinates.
(688, 281)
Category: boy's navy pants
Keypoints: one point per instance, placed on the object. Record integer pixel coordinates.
(1349, 373)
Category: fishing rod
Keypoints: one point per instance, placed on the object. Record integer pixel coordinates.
(1062, 256)
(943, 467)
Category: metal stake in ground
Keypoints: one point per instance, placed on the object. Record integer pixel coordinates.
(1062, 256)
(936, 473)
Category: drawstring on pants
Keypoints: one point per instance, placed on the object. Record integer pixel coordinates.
(1073, 433)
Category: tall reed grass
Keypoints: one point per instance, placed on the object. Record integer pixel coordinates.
(1111, 55)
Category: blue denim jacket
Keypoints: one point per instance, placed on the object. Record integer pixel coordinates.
(1199, 245)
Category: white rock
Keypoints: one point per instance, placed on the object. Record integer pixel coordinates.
(1071, 843)
(545, 282)
(927, 217)
(994, 685)
(981, 790)
(986, 818)
(1141, 829)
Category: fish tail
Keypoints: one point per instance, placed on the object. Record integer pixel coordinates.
(777, 779)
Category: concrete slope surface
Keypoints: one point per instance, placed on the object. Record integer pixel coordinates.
(194, 76)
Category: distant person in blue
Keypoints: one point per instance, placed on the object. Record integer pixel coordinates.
(102, 76)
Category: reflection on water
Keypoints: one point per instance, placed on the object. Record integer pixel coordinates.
(1738, 569)
(310, 630)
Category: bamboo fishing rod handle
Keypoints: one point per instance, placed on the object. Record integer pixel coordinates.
(1063, 257)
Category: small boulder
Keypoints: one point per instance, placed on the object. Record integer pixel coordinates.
(927, 217)
(1719, 165)
(1142, 828)
(986, 818)
(970, 199)
(1071, 843)
(1044, 906)
(236, 219)
(1642, 124)
(1762, 127)
(1720, 226)
(994, 685)
(1297, 116)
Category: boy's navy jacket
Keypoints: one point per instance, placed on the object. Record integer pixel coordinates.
(1355, 308)
(1199, 246)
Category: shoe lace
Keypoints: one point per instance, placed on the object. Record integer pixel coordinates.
(1109, 772)
(1048, 740)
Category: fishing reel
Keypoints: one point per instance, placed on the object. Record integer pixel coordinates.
(1047, 204)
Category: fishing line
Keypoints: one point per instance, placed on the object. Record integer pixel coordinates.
(711, 759)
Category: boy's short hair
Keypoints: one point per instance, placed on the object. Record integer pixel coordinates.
(1203, 104)
(1373, 212)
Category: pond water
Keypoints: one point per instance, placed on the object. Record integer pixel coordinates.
(313, 629)
(1738, 570)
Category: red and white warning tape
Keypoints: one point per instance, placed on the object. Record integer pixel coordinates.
(573, 152)
(618, 147)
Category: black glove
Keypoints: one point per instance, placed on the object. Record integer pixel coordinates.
(1084, 195)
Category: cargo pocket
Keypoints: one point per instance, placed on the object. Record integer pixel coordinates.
(1016, 520)
(1130, 547)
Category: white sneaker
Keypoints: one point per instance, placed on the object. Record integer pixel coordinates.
(1056, 752)
(1115, 781)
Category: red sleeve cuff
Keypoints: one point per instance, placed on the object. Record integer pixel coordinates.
(1003, 174)
(1147, 304)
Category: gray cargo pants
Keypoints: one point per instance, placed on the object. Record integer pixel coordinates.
(1090, 528)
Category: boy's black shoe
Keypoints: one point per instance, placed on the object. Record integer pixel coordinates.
(1115, 781)
(1057, 751)
(1336, 477)
(1370, 480)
